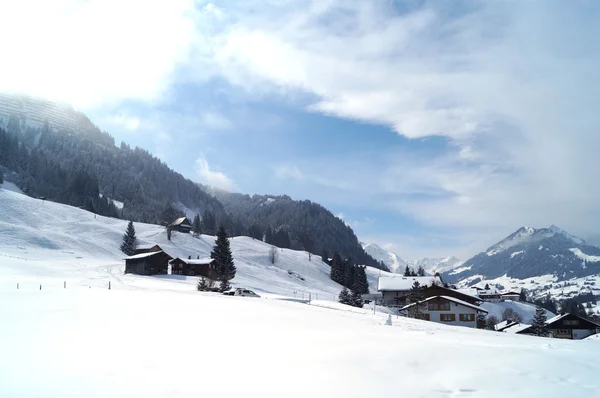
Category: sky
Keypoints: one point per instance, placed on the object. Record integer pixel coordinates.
(432, 128)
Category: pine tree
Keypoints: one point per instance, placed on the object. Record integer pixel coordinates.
(1, 176)
(356, 299)
(407, 271)
(344, 296)
(337, 272)
(349, 272)
(421, 271)
(416, 295)
(360, 280)
(221, 253)
(129, 240)
(538, 323)
(196, 225)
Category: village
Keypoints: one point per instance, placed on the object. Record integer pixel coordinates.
(426, 298)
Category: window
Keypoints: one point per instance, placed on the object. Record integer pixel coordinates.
(447, 317)
(570, 322)
(439, 306)
(466, 317)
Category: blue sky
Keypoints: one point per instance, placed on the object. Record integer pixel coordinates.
(432, 127)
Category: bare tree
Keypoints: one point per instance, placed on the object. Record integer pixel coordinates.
(511, 315)
(490, 322)
(273, 254)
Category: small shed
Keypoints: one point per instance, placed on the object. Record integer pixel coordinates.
(182, 225)
(205, 266)
(151, 263)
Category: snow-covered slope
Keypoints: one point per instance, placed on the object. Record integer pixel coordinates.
(52, 240)
(392, 260)
(525, 310)
(152, 343)
(433, 265)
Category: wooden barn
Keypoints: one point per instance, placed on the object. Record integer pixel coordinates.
(150, 263)
(182, 225)
(194, 267)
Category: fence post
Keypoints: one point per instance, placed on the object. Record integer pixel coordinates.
(64, 284)
(108, 285)
(17, 285)
(40, 286)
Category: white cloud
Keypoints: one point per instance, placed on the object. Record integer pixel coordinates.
(285, 172)
(210, 177)
(129, 123)
(510, 84)
(93, 52)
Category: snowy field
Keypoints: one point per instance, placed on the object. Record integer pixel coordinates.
(157, 337)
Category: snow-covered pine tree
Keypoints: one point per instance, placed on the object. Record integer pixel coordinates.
(538, 323)
(221, 253)
(421, 271)
(344, 296)
(407, 271)
(129, 240)
(416, 295)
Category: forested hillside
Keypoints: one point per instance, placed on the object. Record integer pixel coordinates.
(58, 153)
(305, 225)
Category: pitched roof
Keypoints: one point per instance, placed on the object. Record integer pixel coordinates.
(143, 255)
(516, 328)
(195, 261)
(404, 282)
(454, 300)
(180, 221)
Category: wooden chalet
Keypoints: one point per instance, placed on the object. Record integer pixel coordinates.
(568, 326)
(149, 263)
(181, 224)
(194, 267)
(447, 310)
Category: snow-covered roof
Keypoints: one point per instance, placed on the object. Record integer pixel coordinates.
(180, 221)
(454, 300)
(511, 294)
(196, 261)
(490, 291)
(516, 328)
(404, 283)
(142, 255)
(145, 247)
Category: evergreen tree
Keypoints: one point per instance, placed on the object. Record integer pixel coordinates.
(407, 271)
(421, 271)
(129, 240)
(221, 253)
(416, 295)
(349, 273)
(344, 296)
(538, 323)
(337, 272)
(196, 225)
(356, 299)
(523, 296)
(361, 284)
(1, 176)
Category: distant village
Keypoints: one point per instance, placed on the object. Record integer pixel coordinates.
(422, 297)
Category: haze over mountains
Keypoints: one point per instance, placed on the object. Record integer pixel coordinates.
(396, 264)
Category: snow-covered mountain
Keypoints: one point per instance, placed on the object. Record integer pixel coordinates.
(396, 264)
(433, 265)
(543, 261)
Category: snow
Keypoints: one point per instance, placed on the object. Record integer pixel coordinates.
(142, 255)
(460, 270)
(584, 256)
(9, 186)
(198, 261)
(525, 310)
(156, 337)
(517, 253)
